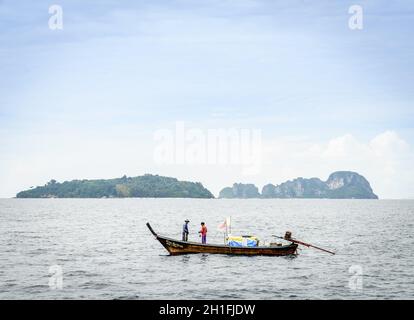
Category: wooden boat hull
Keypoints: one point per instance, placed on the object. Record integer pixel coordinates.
(178, 247)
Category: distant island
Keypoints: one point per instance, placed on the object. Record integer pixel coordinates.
(340, 185)
(146, 186)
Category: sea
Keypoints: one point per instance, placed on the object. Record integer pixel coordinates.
(102, 249)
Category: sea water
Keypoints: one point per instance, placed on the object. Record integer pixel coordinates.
(102, 249)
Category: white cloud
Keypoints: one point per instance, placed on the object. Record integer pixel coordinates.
(386, 161)
(388, 143)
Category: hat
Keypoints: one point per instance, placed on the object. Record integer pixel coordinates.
(186, 220)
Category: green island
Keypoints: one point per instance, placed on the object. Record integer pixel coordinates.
(146, 186)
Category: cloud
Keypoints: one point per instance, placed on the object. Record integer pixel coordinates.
(73, 101)
(385, 160)
(388, 144)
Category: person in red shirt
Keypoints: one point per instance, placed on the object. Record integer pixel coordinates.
(203, 232)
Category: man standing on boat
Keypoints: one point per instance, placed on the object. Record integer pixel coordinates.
(185, 230)
(203, 233)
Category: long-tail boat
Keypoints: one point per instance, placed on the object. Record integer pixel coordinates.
(177, 247)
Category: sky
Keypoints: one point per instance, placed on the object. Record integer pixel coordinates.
(92, 99)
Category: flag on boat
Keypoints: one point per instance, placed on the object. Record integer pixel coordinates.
(225, 225)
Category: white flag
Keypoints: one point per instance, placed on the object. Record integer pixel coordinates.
(225, 225)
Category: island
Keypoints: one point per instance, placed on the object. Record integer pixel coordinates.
(241, 191)
(340, 185)
(146, 186)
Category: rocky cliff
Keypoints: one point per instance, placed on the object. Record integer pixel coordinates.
(240, 190)
(340, 185)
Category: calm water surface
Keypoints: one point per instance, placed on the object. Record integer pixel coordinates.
(105, 250)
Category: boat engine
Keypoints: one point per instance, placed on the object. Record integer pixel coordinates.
(288, 235)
